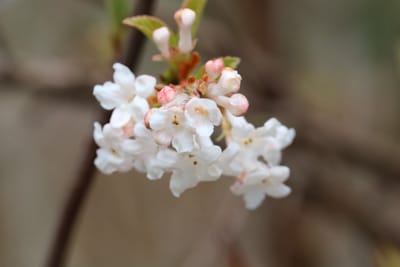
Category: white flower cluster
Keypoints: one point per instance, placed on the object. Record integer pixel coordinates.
(167, 129)
(158, 129)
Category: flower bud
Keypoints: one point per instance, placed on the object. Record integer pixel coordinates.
(214, 68)
(161, 38)
(229, 81)
(185, 19)
(166, 94)
(237, 104)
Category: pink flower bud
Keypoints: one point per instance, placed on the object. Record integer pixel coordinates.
(214, 68)
(236, 104)
(166, 94)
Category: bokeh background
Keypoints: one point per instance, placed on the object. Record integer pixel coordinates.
(328, 68)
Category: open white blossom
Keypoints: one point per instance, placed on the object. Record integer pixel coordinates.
(124, 88)
(266, 141)
(201, 164)
(202, 114)
(257, 178)
(150, 157)
(254, 185)
(111, 155)
(170, 127)
(134, 110)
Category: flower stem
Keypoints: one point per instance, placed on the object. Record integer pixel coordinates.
(86, 171)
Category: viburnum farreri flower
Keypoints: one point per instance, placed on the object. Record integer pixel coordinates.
(166, 127)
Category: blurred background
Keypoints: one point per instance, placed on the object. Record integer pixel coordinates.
(328, 68)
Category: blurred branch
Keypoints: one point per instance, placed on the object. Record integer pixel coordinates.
(85, 177)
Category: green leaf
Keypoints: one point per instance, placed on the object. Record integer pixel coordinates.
(231, 62)
(145, 24)
(198, 7)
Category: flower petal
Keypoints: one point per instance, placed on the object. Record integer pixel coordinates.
(205, 129)
(183, 141)
(181, 181)
(279, 174)
(139, 107)
(253, 199)
(158, 119)
(144, 85)
(98, 134)
(119, 117)
(109, 95)
(106, 161)
(124, 77)
(210, 154)
(278, 190)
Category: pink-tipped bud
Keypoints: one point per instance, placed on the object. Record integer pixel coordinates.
(161, 38)
(166, 94)
(229, 81)
(237, 104)
(185, 19)
(214, 68)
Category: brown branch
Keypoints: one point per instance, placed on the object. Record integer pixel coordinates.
(85, 177)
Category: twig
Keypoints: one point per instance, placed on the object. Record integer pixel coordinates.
(85, 177)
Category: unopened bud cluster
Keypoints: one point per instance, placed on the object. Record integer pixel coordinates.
(161, 129)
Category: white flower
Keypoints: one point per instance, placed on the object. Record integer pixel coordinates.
(256, 178)
(266, 141)
(111, 155)
(133, 111)
(202, 114)
(262, 181)
(124, 88)
(201, 164)
(170, 127)
(283, 135)
(150, 157)
(185, 19)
